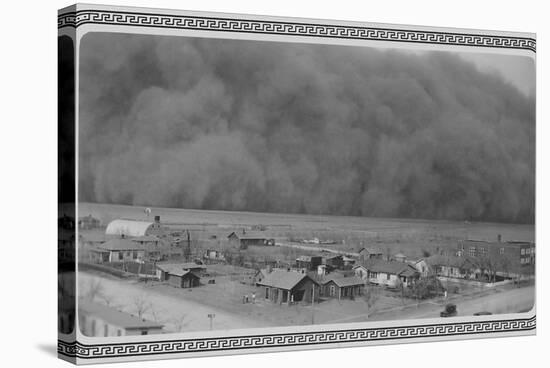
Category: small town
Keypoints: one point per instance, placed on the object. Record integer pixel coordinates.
(144, 276)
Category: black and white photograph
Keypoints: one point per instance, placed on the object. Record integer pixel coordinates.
(237, 184)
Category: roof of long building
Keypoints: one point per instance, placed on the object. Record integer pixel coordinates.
(128, 227)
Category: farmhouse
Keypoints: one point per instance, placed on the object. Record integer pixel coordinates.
(421, 266)
(117, 250)
(135, 228)
(343, 287)
(387, 273)
(453, 266)
(309, 262)
(100, 320)
(288, 287)
(177, 275)
(244, 239)
(370, 253)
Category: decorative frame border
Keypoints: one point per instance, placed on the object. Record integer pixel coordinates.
(201, 345)
(78, 18)
(191, 346)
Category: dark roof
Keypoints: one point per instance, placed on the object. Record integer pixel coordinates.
(115, 316)
(146, 238)
(392, 267)
(120, 244)
(249, 235)
(283, 279)
(341, 281)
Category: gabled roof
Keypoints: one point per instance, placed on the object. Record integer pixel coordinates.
(342, 281)
(249, 235)
(391, 267)
(283, 279)
(120, 244)
(114, 316)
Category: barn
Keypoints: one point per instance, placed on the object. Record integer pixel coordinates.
(244, 239)
(135, 228)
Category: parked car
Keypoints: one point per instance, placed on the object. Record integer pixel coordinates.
(450, 311)
(484, 313)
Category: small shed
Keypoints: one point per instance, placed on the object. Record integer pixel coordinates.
(343, 287)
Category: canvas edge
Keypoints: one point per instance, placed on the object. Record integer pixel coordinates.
(72, 349)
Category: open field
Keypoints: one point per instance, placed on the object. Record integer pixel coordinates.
(188, 309)
(411, 237)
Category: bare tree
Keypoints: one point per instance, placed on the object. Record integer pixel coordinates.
(141, 305)
(180, 322)
(95, 289)
(370, 297)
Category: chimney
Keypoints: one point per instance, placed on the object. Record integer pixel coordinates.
(499, 237)
(157, 219)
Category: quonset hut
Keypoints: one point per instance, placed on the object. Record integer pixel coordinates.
(135, 228)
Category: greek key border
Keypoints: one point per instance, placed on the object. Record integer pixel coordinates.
(201, 345)
(289, 28)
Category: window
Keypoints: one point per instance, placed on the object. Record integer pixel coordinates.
(472, 251)
(501, 250)
(522, 251)
(527, 251)
(135, 255)
(483, 251)
(332, 290)
(267, 293)
(522, 260)
(120, 256)
(144, 332)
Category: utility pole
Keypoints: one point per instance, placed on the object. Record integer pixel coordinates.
(211, 316)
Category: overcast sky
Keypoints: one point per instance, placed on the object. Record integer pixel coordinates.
(301, 128)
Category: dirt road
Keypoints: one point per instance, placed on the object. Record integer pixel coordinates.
(497, 302)
(176, 313)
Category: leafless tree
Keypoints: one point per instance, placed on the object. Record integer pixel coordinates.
(95, 290)
(370, 297)
(180, 322)
(141, 305)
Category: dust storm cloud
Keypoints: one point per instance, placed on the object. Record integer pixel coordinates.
(299, 128)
